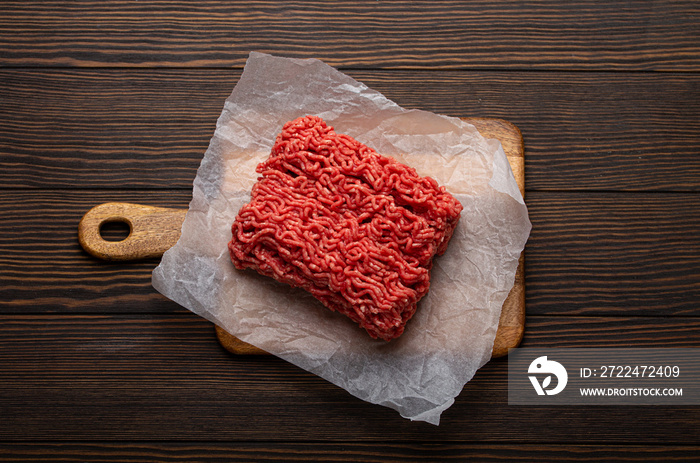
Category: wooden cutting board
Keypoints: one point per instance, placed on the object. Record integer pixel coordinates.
(153, 230)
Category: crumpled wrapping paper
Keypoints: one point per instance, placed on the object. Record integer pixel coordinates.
(452, 333)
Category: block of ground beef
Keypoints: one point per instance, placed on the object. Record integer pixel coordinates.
(355, 229)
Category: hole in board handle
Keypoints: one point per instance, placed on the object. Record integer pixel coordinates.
(115, 230)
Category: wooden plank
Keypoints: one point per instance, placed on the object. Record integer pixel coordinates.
(293, 452)
(588, 253)
(43, 267)
(138, 129)
(89, 377)
(589, 35)
(598, 253)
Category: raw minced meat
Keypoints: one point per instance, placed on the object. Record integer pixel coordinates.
(355, 229)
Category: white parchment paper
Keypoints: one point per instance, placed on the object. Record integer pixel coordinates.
(452, 333)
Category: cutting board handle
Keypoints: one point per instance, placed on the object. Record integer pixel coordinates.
(152, 231)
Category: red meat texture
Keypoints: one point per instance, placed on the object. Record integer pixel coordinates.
(355, 229)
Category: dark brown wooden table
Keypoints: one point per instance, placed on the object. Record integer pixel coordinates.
(117, 101)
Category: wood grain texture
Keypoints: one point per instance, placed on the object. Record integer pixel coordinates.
(117, 101)
(116, 378)
(138, 129)
(359, 452)
(600, 254)
(594, 254)
(43, 267)
(661, 35)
